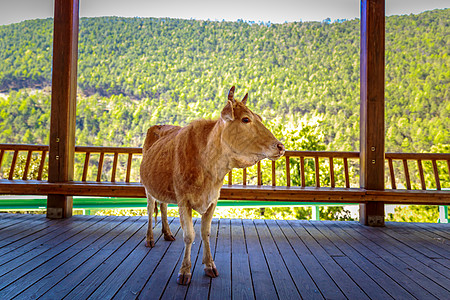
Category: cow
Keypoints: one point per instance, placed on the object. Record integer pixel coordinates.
(186, 166)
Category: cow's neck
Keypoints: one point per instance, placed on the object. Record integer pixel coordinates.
(218, 161)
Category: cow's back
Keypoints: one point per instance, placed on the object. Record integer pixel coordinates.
(155, 132)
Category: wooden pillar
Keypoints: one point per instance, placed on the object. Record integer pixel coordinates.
(372, 133)
(64, 88)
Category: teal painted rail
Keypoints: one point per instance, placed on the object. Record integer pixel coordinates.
(101, 203)
(88, 204)
(40, 202)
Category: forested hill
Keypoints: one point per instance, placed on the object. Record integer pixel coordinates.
(136, 72)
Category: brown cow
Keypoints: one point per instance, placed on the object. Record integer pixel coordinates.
(186, 166)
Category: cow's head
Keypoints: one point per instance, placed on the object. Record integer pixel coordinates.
(245, 136)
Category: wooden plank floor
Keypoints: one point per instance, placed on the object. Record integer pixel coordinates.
(100, 257)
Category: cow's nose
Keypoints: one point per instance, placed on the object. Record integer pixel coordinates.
(280, 147)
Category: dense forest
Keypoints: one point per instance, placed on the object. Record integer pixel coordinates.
(136, 72)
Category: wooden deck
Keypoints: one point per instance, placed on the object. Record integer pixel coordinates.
(105, 257)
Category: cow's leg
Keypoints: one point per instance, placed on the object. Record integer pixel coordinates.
(184, 276)
(150, 241)
(168, 236)
(210, 267)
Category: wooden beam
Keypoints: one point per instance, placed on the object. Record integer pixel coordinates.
(294, 194)
(63, 105)
(372, 134)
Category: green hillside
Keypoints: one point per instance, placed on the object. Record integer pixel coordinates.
(136, 72)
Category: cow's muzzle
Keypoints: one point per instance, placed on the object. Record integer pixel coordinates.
(279, 151)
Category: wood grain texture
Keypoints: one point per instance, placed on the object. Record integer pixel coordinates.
(105, 258)
(27, 165)
(258, 170)
(114, 168)
(274, 176)
(407, 178)
(86, 166)
(288, 153)
(64, 87)
(372, 64)
(391, 173)
(234, 191)
(42, 164)
(288, 171)
(347, 177)
(372, 135)
(13, 165)
(333, 184)
(436, 174)
(316, 171)
(241, 280)
(63, 103)
(422, 177)
(302, 170)
(130, 159)
(100, 166)
(2, 152)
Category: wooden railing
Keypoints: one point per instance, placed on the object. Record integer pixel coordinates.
(345, 157)
(301, 156)
(116, 152)
(29, 149)
(434, 158)
(300, 175)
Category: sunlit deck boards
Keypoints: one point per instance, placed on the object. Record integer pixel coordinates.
(105, 257)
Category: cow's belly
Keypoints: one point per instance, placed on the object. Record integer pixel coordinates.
(157, 174)
(200, 202)
(162, 197)
(161, 190)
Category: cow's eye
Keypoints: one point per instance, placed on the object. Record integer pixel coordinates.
(245, 120)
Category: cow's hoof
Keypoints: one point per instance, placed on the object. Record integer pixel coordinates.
(169, 237)
(212, 272)
(184, 279)
(150, 244)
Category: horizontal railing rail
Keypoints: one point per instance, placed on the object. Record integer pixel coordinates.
(334, 174)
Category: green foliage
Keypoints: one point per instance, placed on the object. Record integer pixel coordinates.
(415, 213)
(136, 72)
(306, 136)
(33, 168)
(335, 213)
(25, 117)
(332, 213)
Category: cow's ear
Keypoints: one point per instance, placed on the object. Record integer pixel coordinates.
(231, 94)
(244, 101)
(227, 113)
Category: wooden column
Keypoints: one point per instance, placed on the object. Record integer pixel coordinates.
(64, 88)
(372, 107)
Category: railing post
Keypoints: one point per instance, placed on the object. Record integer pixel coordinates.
(443, 214)
(315, 214)
(372, 133)
(63, 104)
